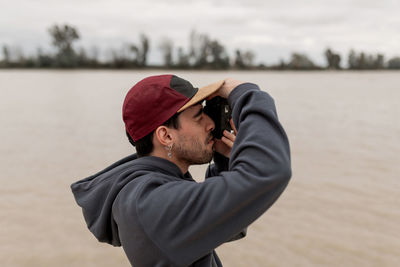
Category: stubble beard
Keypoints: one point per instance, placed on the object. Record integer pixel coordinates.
(192, 152)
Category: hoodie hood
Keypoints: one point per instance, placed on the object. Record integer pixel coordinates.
(96, 194)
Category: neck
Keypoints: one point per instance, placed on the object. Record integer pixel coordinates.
(184, 167)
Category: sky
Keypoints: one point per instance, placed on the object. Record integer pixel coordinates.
(271, 29)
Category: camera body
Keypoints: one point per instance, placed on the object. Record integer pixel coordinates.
(220, 112)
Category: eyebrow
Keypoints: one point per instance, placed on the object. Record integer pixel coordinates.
(198, 113)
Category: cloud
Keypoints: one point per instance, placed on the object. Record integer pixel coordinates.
(268, 27)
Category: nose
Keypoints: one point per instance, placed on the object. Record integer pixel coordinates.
(210, 125)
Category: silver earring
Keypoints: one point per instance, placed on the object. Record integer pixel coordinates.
(169, 153)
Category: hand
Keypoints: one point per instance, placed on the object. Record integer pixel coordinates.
(225, 144)
(226, 88)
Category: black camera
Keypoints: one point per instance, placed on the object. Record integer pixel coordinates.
(220, 112)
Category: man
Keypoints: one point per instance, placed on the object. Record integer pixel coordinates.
(149, 203)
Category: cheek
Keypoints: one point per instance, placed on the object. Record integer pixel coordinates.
(191, 141)
(193, 129)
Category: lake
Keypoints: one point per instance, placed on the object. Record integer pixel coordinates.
(341, 208)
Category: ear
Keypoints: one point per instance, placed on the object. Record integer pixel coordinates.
(163, 135)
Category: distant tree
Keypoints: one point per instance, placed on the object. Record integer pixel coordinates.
(301, 61)
(6, 56)
(198, 49)
(262, 66)
(244, 60)
(333, 59)
(363, 61)
(218, 58)
(370, 62)
(131, 55)
(248, 59)
(118, 60)
(134, 60)
(239, 62)
(394, 63)
(93, 57)
(379, 62)
(207, 53)
(143, 50)
(15, 58)
(352, 59)
(281, 66)
(62, 38)
(82, 58)
(183, 59)
(43, 60)
(166, 48)
(125, 57)
(94, 53)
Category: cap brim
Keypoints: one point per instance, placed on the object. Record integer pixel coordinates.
(202, 93)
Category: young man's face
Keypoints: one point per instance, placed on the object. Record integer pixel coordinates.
(194, 141)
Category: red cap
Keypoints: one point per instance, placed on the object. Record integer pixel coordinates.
(155, 99)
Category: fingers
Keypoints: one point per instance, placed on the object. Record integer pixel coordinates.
(226, 88)
(225, 144)
(229, 135)
(233, 126)
(228, 138)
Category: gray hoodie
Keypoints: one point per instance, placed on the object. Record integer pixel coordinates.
(162, 217)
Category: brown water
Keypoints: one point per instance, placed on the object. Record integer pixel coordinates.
(342, 207)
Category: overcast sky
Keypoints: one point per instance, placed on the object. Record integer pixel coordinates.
(271, 29)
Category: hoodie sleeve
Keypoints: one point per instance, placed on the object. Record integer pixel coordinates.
(221, 163)
(187, 220)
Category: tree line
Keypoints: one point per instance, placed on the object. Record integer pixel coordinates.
(203, 53)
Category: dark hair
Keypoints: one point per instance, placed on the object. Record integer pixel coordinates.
(144, 146)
